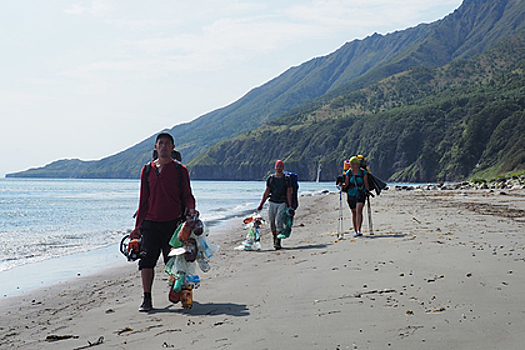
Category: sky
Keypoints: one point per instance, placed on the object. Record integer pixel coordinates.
(87, 79)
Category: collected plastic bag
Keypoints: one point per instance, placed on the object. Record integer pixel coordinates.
(252, 240)
(193, 249)
(174, 241)
(190, 248)
(206, 248)
(286, 218)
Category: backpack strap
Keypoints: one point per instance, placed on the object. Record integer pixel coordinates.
(359, 174)
(287, 179)
(147, 169)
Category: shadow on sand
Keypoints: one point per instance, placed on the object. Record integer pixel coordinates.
(301, 247)
(198, 309)
(382, 236)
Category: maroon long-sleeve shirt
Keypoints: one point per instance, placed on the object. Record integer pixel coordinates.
(161, 200)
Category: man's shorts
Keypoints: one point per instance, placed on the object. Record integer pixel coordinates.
(274, 214)
(353, 200)
(155, 239)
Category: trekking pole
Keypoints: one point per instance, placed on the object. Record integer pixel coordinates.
(340, 214)
(370, 226)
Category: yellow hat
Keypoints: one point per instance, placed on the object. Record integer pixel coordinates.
(354, 159)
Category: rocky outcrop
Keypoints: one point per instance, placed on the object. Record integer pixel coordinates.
(512, 183)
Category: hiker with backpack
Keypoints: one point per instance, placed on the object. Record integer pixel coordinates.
(357, 189)
(165, 201)
(279, 191)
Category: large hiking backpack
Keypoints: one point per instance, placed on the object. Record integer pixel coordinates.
(375, 183)
(295, 188)
(363, 162)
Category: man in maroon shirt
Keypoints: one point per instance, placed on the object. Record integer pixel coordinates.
(165, 197)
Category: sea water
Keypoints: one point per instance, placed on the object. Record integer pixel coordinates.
(56, 229)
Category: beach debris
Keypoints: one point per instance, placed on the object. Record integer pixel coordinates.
(54, 337)
(409, 313)
(286, 218)
(328, 313)
(223, 340)
(252, 240)
(431, 280)
(168, 331)
(124, 330)
(99, 341)
(190, 248)
(384, 291)
(408, 331)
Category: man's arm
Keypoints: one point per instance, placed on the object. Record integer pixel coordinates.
(265, 196)
(143, 204)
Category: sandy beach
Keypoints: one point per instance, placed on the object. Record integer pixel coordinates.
(443, 270)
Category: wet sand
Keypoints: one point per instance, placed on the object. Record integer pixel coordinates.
(443, 270)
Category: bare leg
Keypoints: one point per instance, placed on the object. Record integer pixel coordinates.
(147, 279)
(359, 216)
(354, 220)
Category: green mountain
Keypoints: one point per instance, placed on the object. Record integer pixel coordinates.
(474, 27)
(425, 124)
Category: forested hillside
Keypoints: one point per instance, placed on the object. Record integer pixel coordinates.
(426, 124)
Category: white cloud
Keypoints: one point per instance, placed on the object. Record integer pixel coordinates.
(96, 8)
(220, 38)
(379, 16)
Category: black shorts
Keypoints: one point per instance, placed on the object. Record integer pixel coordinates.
(155, 239)
(353, 200)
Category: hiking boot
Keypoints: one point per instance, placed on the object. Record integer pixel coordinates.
(276, 243)
(146, 304)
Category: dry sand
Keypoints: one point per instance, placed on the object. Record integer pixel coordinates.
(444, 270)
